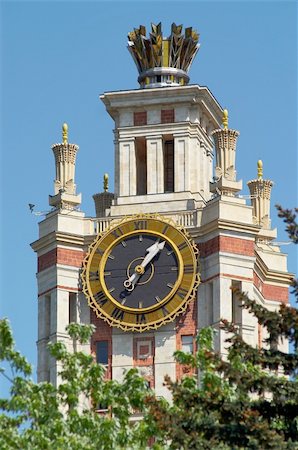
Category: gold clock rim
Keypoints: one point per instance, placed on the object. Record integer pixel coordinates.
(166, 298)
(153, 325)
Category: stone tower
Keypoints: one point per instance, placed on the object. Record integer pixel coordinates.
(172, 157)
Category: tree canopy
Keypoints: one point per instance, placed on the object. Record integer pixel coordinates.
(247, 401)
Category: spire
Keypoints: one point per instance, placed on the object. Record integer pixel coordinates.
(225, 119)
(260, 192)
(225, 141)
(260, 169)
(65, 133)
(163, 61)
(106, 182)
(64, 184)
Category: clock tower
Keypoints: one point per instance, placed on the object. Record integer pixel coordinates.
(157, 262)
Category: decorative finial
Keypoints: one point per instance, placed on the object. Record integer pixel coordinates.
(225, 119)
(160, 60)
(105, 182)
(260, 169)
(65, 133)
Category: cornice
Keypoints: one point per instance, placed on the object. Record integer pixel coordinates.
(191, 94)
(224, 225)
(58, 238)
(271, 276)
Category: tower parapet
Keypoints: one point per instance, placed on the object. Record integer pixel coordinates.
(64, 184)
(163, 61)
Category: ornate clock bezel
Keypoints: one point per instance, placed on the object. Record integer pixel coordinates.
(101, 305)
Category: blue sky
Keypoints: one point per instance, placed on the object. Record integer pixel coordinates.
(58, 57)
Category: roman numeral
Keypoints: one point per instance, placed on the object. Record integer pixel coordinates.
(165, 229)
(141, 318)
(164, 311)
(188, 268)
(140, 225)
(118, 314)
(182, 292)
(93, 276)
(100, 298)
(99, 250)
(117, 233)
(182, 246)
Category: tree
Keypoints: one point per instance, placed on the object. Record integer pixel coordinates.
(40, 416)
(249, 401)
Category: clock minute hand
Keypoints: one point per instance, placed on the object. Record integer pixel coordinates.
(153, 250)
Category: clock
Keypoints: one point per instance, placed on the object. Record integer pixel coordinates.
(141, 273)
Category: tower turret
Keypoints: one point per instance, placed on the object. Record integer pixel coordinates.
(64, 185)
(260, 191)
(103, 200)
(225, 141)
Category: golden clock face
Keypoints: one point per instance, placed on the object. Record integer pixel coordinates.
(140, 273)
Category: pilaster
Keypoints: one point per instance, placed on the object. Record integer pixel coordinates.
(127, 167)
(155, 172)
(181, 163)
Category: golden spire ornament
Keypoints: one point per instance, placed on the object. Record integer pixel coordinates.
(225, 119)
(105, 182)
(65, 133)
(260, 169)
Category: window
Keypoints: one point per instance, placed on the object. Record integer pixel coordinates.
(141, 166)
(72, 307)
(102, 355)
(168, 160)
(144, 349)
(236, 306)
(47, 315)
(209, 303)
(187, 344)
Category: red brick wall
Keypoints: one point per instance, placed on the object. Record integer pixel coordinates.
(167, 116)
(227, 244)
(60, 256)
(103, 332)
(187, 324)
(271, 291)
(140, 118)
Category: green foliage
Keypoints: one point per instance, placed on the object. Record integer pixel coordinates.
(41, 416)
(248, 400)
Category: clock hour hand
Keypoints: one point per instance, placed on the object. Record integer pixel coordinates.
(153, 250)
